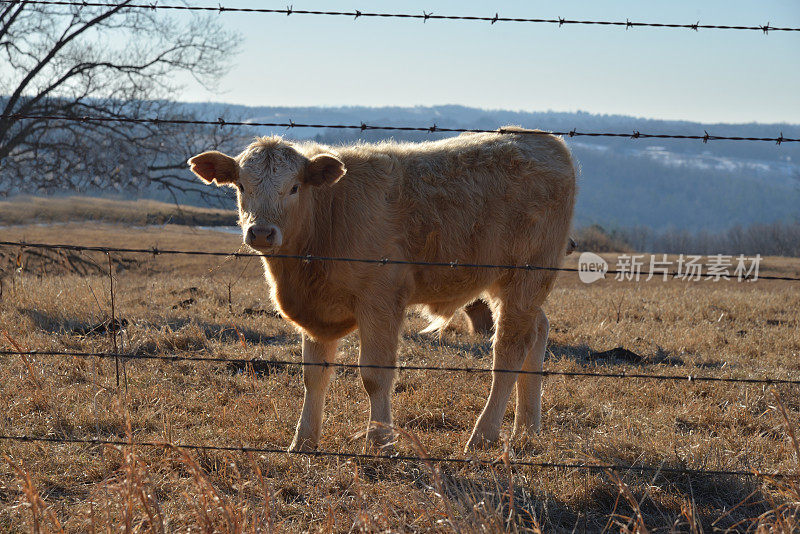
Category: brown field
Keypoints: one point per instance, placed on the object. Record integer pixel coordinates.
(25, 210)
(213, 306)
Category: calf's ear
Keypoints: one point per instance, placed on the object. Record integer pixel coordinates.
(216, 167)
(323, 169)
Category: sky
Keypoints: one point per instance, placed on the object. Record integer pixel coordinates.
(708, 76)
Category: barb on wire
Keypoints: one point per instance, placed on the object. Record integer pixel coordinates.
(451, 369)
(376, 261)
(705, 138)
(425, 16)
(405, 458)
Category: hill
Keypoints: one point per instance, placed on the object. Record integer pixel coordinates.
(658, 184)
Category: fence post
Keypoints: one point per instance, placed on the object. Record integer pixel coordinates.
(112, 325)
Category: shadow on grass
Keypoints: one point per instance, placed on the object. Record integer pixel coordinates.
(477, 347)
(233, 333)
(177, 338)
(481, 348)
(666, 501)
(585, 355)
(53, 324)
(229, 333)
(252, 339)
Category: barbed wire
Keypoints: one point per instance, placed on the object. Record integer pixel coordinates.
(425, 16)
(406, 458)
(635, 134)
(452, 369)
(155, 251)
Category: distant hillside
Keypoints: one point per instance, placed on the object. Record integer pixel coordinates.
(657, 184)
(681, 184)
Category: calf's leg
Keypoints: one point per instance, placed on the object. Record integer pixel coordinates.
(512, 338)
(379, 331)
(479, 318)
(518, 321)
(316, 379)
(528, 415)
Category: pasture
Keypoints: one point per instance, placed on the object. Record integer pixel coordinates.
(213, 306)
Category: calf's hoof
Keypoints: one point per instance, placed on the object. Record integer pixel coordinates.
(520, 430)
(480, 440)
(302, 445)
(383, 449)
(379, 439)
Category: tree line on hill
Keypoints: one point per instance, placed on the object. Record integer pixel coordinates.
(776, 239)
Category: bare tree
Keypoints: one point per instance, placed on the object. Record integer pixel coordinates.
(101, 61)
(166, 163)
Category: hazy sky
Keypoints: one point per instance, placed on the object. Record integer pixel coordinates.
(709, 76)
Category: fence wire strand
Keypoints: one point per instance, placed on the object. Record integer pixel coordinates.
(586, 467)
(375, 261)
(409, 367)
(425, 16)
(635, 134)
(405, 458)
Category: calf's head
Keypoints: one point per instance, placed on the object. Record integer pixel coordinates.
(274, 184)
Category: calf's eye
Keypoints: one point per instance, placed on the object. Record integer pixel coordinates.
(294, 189)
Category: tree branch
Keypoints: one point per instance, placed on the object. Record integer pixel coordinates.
(63, 41)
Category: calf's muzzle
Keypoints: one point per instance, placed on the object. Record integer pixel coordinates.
(263, 237)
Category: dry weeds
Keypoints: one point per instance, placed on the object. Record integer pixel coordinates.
(213, 306)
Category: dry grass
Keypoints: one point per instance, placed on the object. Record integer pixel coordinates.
(212, 306)
(26, 210)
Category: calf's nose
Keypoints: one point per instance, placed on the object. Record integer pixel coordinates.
(263, 236)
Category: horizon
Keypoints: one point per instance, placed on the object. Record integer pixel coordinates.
(486, 109)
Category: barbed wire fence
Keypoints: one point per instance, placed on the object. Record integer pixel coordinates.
(455, 264)
(425, 16)
(363, 127)
(449, 369)
(122, 356)
(599, 466)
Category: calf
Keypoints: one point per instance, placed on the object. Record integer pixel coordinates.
(490, 198)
